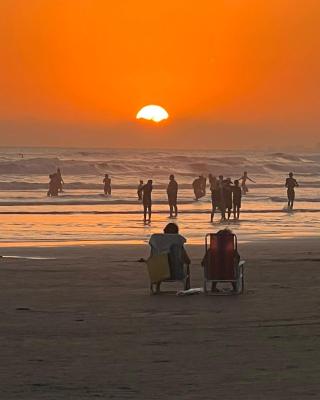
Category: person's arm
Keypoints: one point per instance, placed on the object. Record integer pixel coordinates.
(297, 184)
(251, 180)
(286, 184)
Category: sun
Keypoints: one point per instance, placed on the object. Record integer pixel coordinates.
(153, 113)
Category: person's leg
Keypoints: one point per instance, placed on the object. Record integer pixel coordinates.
(292, 200)
(212, 212)
(229, 213)
(223, 212)
(145, 213)
(238, 212)
(150, 212)
(176, 210)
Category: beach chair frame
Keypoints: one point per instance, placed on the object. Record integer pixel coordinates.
(238, 270)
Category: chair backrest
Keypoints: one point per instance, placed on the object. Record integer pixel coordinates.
(221, 249)
(171, 244)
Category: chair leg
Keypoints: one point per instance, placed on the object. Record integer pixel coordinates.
(156, 290)
(187, 281)
(242, 280)
(205, 290)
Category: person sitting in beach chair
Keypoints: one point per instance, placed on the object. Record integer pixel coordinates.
(168, 261)
(221, 261)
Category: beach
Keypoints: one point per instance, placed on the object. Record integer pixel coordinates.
(78, 322)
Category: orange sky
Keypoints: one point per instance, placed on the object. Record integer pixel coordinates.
(231, 73)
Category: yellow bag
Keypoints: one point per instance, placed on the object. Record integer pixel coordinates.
(158, 268)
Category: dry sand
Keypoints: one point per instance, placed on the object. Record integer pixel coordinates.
(84, 326)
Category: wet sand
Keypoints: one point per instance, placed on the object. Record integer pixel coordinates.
(83, 326)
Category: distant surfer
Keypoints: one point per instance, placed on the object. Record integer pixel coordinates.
(139, 190)
(243, 179)
(290, 184)
(147, 201)
(172, 192)
(107, 185)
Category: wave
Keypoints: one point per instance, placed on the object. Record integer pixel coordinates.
(135, 165)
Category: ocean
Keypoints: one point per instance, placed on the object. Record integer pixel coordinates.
(82, 214)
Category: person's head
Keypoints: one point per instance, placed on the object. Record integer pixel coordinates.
(106, 176)
(290, 174)
(236, 182)
(225, 231)
(228, 181)
(58, 170)
(150, 182)
(210, 176)
(221, 177)
(171, 228)
(245, 173)
(171, 177)
(141, 182)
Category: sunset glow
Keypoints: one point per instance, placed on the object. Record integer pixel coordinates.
(153, 113)
(79, 70)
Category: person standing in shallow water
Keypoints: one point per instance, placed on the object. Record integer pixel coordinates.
(243, 179)
(60, 180)
(107, 185)
(172, 192)
(147, 201)
(236, 199)
(228, 196)
(290, 184)
(139, 190)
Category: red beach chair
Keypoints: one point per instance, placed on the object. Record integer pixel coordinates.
(222, 261)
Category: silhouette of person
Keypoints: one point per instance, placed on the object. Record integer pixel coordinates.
(53, 185)
(214, 200)
(218, 199)
(139, 190)
(173, 229)
(221, 198)
(60, 180)
(203, 185)
(107, 185)
(228, 196)
(236, 199)
(291, 183)
(212, 181)
(243, 179)
(147, 201)
(197, 188)
(172, 192)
